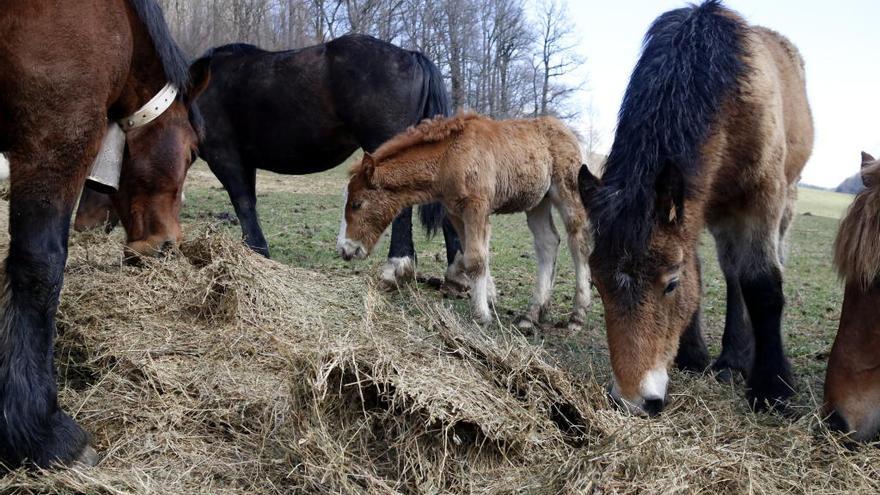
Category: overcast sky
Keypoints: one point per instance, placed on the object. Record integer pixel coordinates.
(839, 40)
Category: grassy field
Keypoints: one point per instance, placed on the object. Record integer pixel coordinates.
(300, 217)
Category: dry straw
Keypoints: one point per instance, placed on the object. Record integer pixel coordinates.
(218, 371)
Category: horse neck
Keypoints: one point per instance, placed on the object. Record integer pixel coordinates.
(410, 182)
(146, 76)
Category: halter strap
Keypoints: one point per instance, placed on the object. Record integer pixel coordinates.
(151, 110)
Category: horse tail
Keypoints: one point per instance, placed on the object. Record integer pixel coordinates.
(436, 103)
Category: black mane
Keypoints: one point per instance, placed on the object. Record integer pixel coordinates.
(691, 61)
(173, 60)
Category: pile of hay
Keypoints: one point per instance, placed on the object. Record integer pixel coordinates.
(218, 371)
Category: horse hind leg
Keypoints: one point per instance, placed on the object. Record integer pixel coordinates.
(546, 241)
(785, 223)
(575, 219)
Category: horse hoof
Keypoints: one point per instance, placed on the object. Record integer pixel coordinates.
(394, 272)
(773, 394)
(727, 373)
(575, 324)
(87, 458)
(525, 324)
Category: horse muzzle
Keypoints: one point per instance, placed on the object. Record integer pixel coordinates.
(350, 249)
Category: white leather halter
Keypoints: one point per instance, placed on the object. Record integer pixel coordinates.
(108, 164)
(151, 110)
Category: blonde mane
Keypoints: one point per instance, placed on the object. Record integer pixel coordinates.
(857, 247)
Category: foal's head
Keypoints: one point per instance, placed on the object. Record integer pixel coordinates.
(649, 284)
(369, 209)
(852, 384)
(157, 158)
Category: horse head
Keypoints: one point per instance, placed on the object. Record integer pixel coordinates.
(852, 383)
(154, 167)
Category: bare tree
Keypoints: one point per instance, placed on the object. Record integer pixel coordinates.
(503, 58)
(556, 58)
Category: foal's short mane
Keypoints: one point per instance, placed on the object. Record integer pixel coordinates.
(857, 247)
(428, 131)
(692, 60)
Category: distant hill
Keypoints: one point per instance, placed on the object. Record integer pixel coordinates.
(853, 185)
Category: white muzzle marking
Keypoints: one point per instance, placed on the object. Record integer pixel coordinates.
(347, 248)
(4, 167)
(652, 387)
(654, 384)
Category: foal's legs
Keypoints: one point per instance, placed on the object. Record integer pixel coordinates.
(750, 254)
(475, 225)
(575, 219)
(240, 182)
(546, 238)
(47, 174)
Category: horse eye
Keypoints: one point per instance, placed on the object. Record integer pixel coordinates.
(356, 205)
(673, 284)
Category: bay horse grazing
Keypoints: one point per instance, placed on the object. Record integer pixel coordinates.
(476, 167)
(305, 111)
(713, 131)
(69, 68)
(852, 383)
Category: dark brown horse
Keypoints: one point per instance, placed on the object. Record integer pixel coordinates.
(852, 384)
(66, 70)
(713, 132)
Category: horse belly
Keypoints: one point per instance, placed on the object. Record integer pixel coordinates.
(521, 189)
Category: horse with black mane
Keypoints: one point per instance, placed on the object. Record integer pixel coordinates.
(852, 382)
(69, 70)
(305, 111)
(713, 131)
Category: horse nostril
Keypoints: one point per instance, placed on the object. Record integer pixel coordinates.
(837, 423)
(166, 247)
(653, 406)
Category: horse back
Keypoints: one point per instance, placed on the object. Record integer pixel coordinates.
(306, 110)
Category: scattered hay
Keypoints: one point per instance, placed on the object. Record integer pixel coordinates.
(218, 371)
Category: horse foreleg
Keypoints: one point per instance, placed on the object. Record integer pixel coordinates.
(46, 177)
(401, 263)
(692, 353)
(546, 241)
(752, 257)
(737, 342)
(455, 276)
(476, 262)
(240, 183)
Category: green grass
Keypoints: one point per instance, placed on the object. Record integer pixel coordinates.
(823, 203)
(301, 229)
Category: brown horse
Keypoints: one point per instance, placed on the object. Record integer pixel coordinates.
(852, 384)
(69, 68)
(476, 167)
(714, 131)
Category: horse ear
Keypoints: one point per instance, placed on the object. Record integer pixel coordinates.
(869, 170)
(199, 77)
(867, 159)
(587, 185)
(670, 195)
(368, 165)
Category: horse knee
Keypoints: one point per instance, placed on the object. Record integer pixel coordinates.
(474, 265)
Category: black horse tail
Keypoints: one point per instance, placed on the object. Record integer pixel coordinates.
(436, 103)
